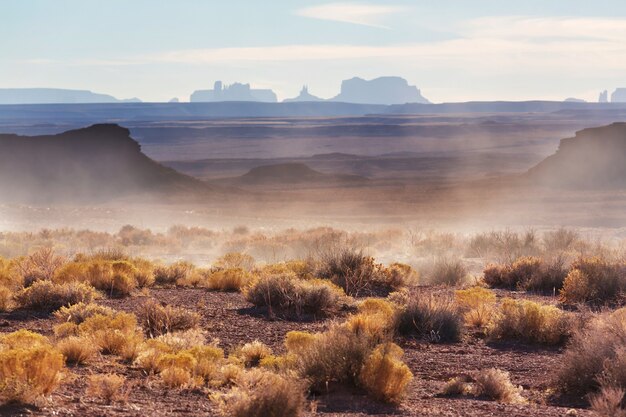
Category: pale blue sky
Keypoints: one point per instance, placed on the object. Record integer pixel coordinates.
(454, 50)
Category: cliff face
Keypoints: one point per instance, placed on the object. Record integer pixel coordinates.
(97, 163)
(383, 90)
(594, 158)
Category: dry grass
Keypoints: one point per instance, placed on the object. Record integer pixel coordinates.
(172, 274)
(76, 350)
(231, 279)
(47, 296)
(529, 274)
(594, 281)
(29, 367)
(115, 334)
(478, 306)
(40, 265)
(384, 376)
(437, 319)
(78, 313)
(108, 387)
(235, 260)
(531, 322)
(447, 271)
(251, 354)
(6, 299)
(496, 385)
(608, 402)
(115, 278)
(157, 319)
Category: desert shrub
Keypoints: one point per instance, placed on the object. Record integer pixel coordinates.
(144, 272)
(375, 320)
(595, 350)
(157, 319)
(358, 274)
(40, 265)
(6, 299)
(29, 367)
(70, 272)
(231, 279)
(531, 322)
(505, 246)
(76, 350)
(460, 385)
(183, 340)
(288, 295)
(447, 271)
(252, 353)
(261, 393)
(594, 281)
(296, 341)
(608, 402)
(9, 278)
(436, 319)
(171, 274)
(115, 278)
(64, 330)
(528, 274)
(496, 385)
(384, 375)
(79, 312)
(235, 260)
(477, 305)
(114, 334)
(47, 296)
(108, 387)
(559, 240)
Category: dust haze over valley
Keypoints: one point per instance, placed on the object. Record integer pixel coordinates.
(312, 209)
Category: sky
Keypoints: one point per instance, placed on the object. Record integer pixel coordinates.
(453, 50)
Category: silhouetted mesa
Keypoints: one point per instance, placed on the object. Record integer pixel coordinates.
(234, 92)
(595, 158)
(292, 173)
(619, 96)
(99, 163)
(303, 97)
(383, 90)
(56, 96)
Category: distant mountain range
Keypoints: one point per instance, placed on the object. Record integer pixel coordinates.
(56, 95)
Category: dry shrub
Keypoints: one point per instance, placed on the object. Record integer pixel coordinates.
(175, 377)
(594, 281)
(437, 319)
(231, 279)
(183, 340)
(40, 265)
(296, 341)
(560, 240)
(595, 354)
(496, 385)
(115, 278)
(358, 274)
(531, 322)
(76, 350)
(144, 272)
(477, 305)
(78, 313)
(384, 376)
(171, 274)
(252, 353)
(108, 387)
(115, 334)
(261, 393)
(528, 274)
(29, 367)
(64, 330)
(6, 299)
(375, 325)
(235, 260)
(460, 385)
(288, 295)
(157, 319)
(447, 272)
(47, 296)
(70, 272)
(608, 402)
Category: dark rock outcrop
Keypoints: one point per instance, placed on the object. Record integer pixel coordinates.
(97, 163)
(594, 158)
(382, 90)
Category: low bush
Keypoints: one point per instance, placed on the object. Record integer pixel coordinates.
(375, 320)
(171, 274)
(6, 299)
(437, 319)
(157, 319)
(531, 322)
(261, 393)
(527, 274)
(40, 265)
(115, 334)
(29, 367)
(79, 312)
(115, 278)
(477, 305)
(76, 350)
(287, 295)
(384, 376)
(608, 402)
(496, 385)
(251, 354)
(235, 260)
(232, 279)
(594, 281)
(47, 296)
(447, 271)
(108, 387)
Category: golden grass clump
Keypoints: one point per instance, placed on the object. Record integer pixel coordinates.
(76, 350)
(108, 387)
(384, 375)
(531, 322)
(477, 305)
(296, 341)
(231, 279)
(528, 273)
(78, 313)
(252, 353)
(115, 334)
(30, 367)
(157, 319)
(47, 296)
(495, 384)
(115, 278)
(437, 319)
(260, 393)
(172, 274)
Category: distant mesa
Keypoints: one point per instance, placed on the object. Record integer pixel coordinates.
(292, 173)
(594, 158)
(575, 100)
(174, 100)
(619, 96)
(303, 97)
(56, 96)
(98, 163)
(383, 90)
(604, 97)
(234, 92)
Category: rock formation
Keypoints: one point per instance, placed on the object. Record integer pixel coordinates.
(304, 96)
(619, 96)
(383, 90)
(234, 92)
(55, 96)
